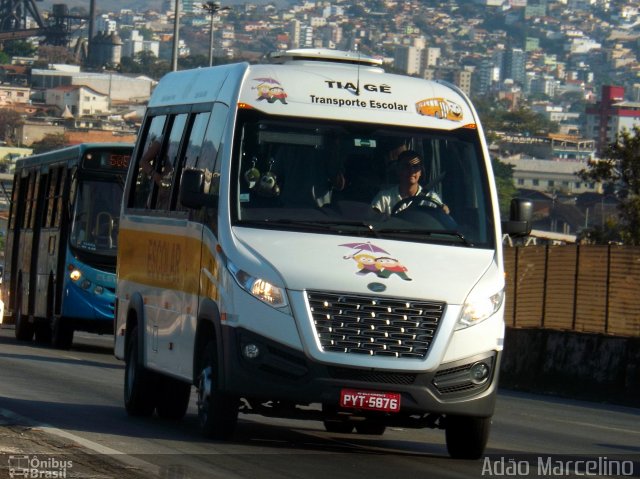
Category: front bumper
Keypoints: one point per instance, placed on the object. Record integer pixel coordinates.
(280, 373)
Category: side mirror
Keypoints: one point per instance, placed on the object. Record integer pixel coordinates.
(520, 214)
(192, 193)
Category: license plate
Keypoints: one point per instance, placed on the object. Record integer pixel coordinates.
(371, 400)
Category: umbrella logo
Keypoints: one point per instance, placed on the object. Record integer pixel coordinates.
(270, 89)
(369, 260)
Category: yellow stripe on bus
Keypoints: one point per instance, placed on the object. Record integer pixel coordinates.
(171, 262)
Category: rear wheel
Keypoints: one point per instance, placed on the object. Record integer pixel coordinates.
(467, 436)
(139, 382)
(43, 333)
(173, 398)
(62, 333)
(217, 411)
(24, 329)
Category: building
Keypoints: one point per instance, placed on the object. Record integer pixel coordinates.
(79, 100)
(514, 65)
(120, 88)
(12, 95)
(550, 176)
(610, 116)
(408, 59)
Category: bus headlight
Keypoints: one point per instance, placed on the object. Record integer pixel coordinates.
(75, 274)
(477, 310)
(259, 288)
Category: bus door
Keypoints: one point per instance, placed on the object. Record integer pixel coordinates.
(14, 237)
(166, 244)
(28, 247)
(48, 248)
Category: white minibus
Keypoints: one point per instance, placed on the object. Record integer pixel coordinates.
(303, 239)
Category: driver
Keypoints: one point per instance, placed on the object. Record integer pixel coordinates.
(409, 173)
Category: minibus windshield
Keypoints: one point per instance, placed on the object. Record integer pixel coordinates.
(361, 179)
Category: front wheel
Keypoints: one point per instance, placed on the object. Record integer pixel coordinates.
(62, 336)
(217, 411)
(371, 427)
(173, 398)
(467, 436)
(139, 382)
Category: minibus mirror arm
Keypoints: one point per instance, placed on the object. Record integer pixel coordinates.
(520, 215)
(192, 193)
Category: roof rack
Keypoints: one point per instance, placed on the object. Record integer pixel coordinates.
(325, 55)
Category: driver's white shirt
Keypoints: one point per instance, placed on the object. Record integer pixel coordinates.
(385, 200)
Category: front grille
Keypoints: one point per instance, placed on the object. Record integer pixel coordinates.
(374, 326)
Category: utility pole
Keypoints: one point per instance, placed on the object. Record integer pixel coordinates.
(176, 39)
(212, 8)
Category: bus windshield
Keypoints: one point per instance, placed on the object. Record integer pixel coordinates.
(95, 216)
(366, 180)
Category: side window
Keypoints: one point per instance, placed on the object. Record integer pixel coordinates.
(30, 203)
(209, 155)
(196, 138)
(169, 162)
(52, 187)
(210, 159)
(59, 197)
(147, 162)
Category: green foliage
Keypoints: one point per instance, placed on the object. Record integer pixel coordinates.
(496, 117)
(19, 48)
(503, 174)
(619, 171)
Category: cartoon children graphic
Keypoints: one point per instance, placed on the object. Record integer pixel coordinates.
(387, 266)
(366, 263)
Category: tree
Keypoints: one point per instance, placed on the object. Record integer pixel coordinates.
(619, 171)
(19, 48)
(9, 121)
(50, 142)
(503, 174)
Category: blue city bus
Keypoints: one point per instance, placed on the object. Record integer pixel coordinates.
(61, 243)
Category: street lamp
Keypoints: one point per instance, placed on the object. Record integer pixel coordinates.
(176, 39)
(212, 8)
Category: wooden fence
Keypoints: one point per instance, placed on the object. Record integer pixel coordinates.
(586, 288)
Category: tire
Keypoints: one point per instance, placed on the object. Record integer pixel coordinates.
(371, 427)
(173, 398)
(217, 412)
(24, 329)
(139, 382)
(338, 427)
(62, 333)
(43, 333)
(467, 436)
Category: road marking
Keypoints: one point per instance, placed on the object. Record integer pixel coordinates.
(120, 456)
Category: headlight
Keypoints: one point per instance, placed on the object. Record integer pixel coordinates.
(259, 288)
(476, 311)
(75, 274)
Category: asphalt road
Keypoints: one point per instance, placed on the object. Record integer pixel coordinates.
(71, 402)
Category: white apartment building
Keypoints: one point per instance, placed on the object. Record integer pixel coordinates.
(136, 43)
(550, 176)
(408, 59)
(78, 99)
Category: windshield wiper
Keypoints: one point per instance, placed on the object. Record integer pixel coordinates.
(333, 225)
(416, 232)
